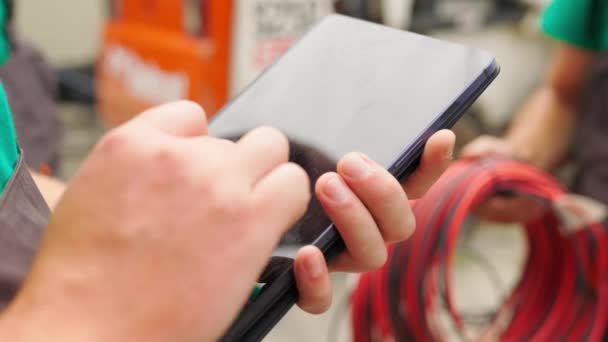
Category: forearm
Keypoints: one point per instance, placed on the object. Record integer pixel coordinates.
(18, 325)
(67, 319)
(28, 328)
(541, 132)
(23, 329)
(52, 189)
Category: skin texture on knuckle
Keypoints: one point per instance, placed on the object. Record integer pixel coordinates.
(114, 141)
(114, 150)
(164, 169)
(165, 157)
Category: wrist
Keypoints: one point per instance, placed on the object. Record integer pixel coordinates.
(41, 322)
(69, 314)
(76, 312)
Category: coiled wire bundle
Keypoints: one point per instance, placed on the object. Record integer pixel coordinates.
(562, 294)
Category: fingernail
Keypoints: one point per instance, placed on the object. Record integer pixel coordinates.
(356, 166)
(335, 189)
(315, 266)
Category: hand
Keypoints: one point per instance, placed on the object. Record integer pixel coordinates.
(487, 146)
(502, 209)
(161, 234)
(370, 209)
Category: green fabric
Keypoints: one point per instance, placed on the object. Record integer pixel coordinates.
(581, 23)
(5, 48)
(8, 142)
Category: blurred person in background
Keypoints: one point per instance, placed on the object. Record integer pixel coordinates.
(567, 113)
(160, 216)
(31, 87)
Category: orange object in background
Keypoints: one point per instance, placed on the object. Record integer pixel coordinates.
(157, 51)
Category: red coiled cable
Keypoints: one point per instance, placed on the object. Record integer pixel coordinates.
(562, 294)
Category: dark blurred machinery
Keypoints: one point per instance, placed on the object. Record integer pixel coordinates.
(433, 14)
(427, 15)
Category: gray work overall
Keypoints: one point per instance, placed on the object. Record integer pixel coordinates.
(23, 217)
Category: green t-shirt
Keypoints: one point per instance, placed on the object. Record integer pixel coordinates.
(581, 23)
(8, 142)
(5, 48)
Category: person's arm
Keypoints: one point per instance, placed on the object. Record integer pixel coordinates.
(118, 265)
(541, 132)
(51, 188)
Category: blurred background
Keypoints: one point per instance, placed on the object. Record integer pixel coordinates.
(218, 47)
(112, 59)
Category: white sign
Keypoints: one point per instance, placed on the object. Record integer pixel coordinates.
(143, 79)
(264, 29)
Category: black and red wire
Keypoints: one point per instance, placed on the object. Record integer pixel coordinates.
(562, 294)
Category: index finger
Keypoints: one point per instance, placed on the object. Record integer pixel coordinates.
(181, 119)
(263, 149)
(279, 200)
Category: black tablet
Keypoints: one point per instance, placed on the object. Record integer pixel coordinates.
(348, 85)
